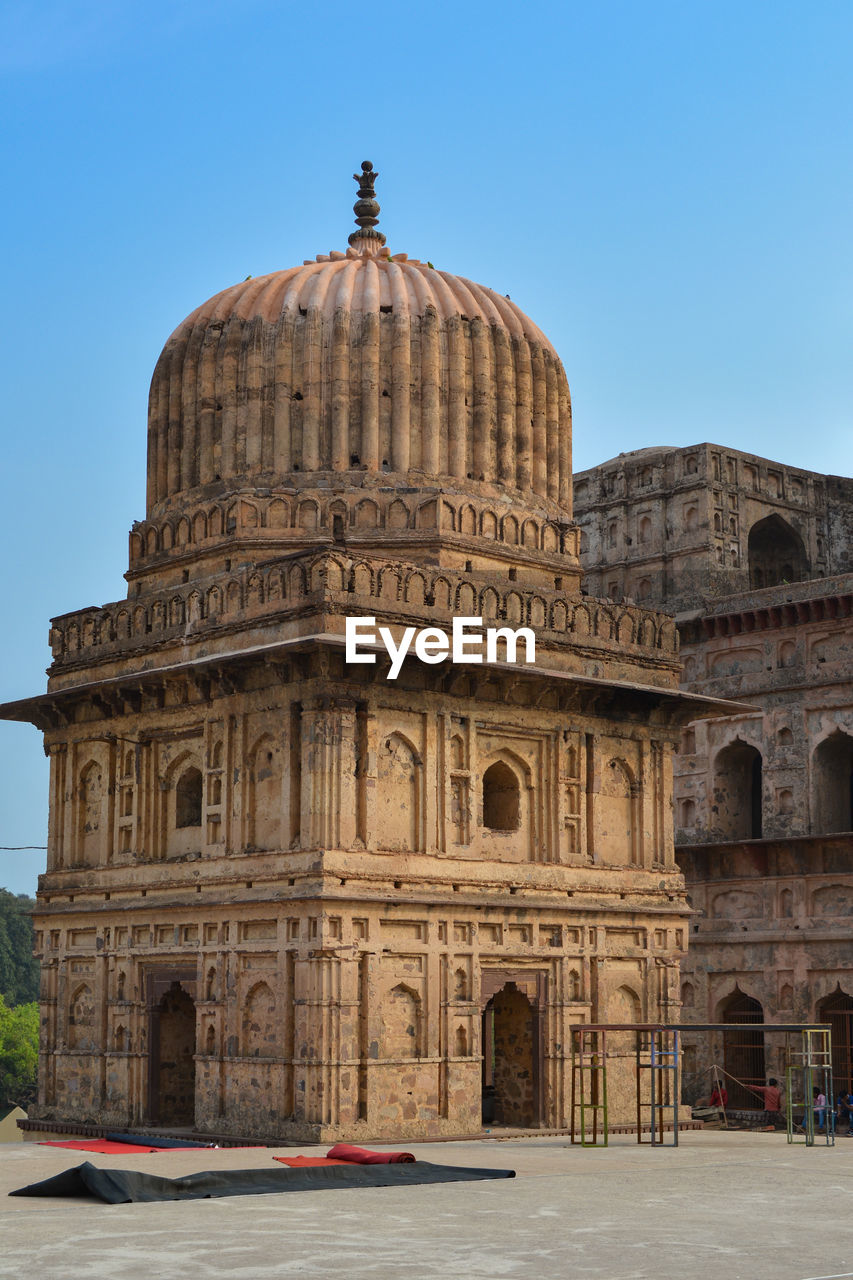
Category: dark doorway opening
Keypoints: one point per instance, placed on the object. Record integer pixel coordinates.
(173, 1045)
(837, 1010)
(776, 553)
(833, 778)
(738, 792)
(511, 1059)
(743, 1052)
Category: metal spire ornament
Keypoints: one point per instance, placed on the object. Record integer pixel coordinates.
(366, 207)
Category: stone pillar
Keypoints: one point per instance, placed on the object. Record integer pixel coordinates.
(317, 1041)
(329, 801)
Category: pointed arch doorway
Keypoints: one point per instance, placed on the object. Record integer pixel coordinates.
(172, 1049)
(512, 1046)
(837, 1010)
(743, 1050)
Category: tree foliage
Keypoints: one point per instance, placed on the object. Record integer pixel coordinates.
(19, 972)
(19, 1036)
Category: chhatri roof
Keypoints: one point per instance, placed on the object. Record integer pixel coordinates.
(359, 361)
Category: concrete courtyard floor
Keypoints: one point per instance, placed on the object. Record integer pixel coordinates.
(720, 1206)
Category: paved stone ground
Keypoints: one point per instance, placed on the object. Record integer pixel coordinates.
(722, 1206)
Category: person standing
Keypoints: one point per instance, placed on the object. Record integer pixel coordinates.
(772, 1097)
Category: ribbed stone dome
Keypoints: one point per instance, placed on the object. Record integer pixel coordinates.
(358, 362)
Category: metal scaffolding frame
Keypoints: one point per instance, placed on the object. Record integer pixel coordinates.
(810, 1062)
(589, 1085)
(657, 1050)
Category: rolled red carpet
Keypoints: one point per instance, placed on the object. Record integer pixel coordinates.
(359, 1155)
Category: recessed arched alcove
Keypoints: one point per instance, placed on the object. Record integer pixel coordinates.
(501, 798)
(188, 799)
(776, 553)
(738, 792)
(832, 780)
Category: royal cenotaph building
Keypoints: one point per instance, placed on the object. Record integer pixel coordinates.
(286, 895)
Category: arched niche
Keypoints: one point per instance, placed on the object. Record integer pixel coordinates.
(266, 781)
(188, 798)
(260, 1023)
(401, 1024)
(92, 797)
(776, 553)
(399, 801)
(737, 792)
(832, 784)
(182, 808)
(81, 1018)
(501, 798)
(617, 817)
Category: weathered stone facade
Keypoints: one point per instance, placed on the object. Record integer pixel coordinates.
(677, 528)
(285, 895)
(762, 798)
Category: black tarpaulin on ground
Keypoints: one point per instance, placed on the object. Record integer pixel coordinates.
(164, 1144)
(123, 1186)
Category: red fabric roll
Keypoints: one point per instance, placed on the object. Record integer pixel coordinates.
(358, 1155)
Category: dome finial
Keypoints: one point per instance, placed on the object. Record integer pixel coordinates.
(366, 207)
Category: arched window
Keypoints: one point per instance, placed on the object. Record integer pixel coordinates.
(776, 553)
(832, 772)
(738, 792)
(188, 799)
(501, 798)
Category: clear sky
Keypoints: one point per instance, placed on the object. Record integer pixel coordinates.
(665, 187)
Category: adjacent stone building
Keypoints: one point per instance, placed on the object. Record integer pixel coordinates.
(287, 895)
(755, 559)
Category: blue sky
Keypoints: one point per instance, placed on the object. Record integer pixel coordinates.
(664, 187)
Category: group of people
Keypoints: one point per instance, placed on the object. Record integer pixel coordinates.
(771, 1096)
